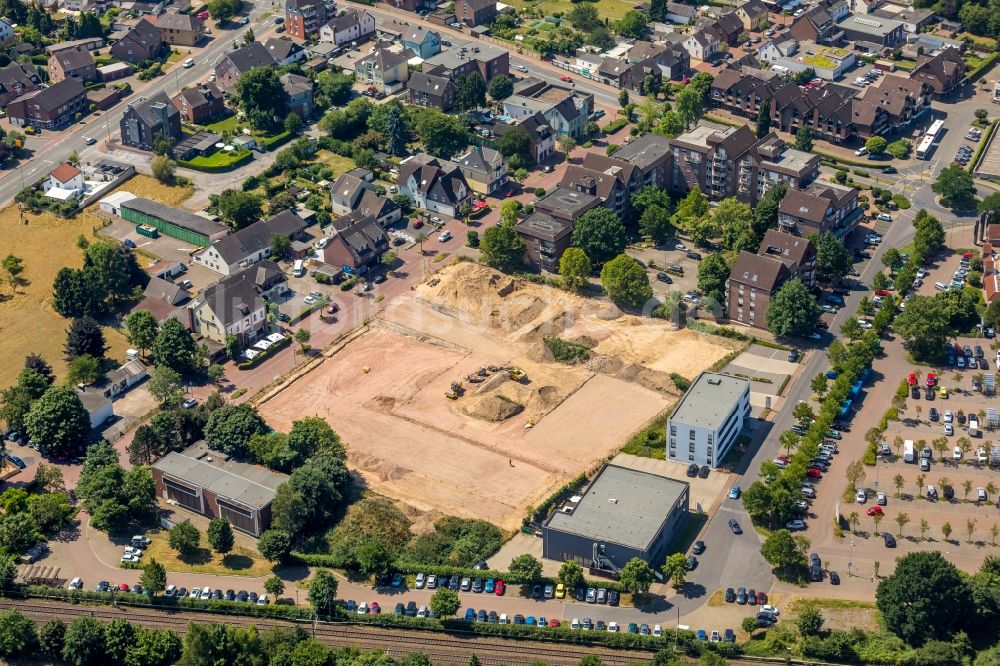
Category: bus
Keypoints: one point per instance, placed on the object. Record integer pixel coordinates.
(924, 149)
(935, 128)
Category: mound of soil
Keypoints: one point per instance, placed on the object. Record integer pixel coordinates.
(490, 408)
(544, 399)
(606, 365)
(539, 352)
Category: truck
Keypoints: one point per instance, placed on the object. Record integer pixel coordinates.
(908, 453)
(973, 426)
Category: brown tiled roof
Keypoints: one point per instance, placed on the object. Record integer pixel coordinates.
(804, 205)
(758, 271)
(793, 250)
(65, 172)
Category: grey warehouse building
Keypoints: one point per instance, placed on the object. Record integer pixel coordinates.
(624, 513)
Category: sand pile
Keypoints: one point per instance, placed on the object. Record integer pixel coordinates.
(490, 407)
(367, 462)
(543, 400)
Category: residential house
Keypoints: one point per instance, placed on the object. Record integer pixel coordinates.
(434, 185)
(170, 292)
(150, 119)
(300, 94)
(913, 19)
(75, 62)
(797, 253)
(179, 29)
(284, 51)
(882, 32)
(628, 76)
(236, 63)
(944, 72)
(820, 208)
(991, 274)
(384, 69)
(566, 110)
(672, 58)
(235, 305)
(6, 31)
(727, 28)
(202, 104)
(356, 25)
(651, 155)
(49, 108)
(124, 377)
(607, 184)
(250, 244)
(903, 100)
(828, 62)
(817, 25)
(475, 12)
(303, 18)
(141, 43)
(545, 240)
(753, 14)
(89, 43)
(753, 282)
(681, 14)
(429, 90)
(357, 244)
(567, 204)
(702, 45)
(422, 41)
(378, 207)
(346, 193)
(17, 79)
(484, 169)
(64, 182)
(466, 57)
(541, 136)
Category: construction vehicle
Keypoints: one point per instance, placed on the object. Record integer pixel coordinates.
(482, 372)
(455, 392)
(475, 379)
(517, 374)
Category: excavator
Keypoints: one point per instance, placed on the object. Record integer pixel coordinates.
(517, 374)
(455, 392)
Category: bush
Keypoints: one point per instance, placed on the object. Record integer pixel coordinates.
(455, 542)
(614, 126)
(567, 352)
(900, 149)
(901, 202)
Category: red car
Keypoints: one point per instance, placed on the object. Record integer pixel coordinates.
(203, 15)
(417, 223)
(553, 622)
(814, 473)
(881, 292)
(784, 459)
(967, 255)
(123, 587)
(931, 379)
(499, 588)
(566, 79)
(375, 609)
(333, 308)
(912, 379)
(873, 510)
(761, 599)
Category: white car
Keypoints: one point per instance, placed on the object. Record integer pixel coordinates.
(309, 300)
(861, 496)
(363, 608)
(956, 453)
(195, 593)
(131, 550)
(206, 593)
(981, 455)
(89, 140)
(262, 600)
(522, 68)
(657, 630)
(947, 416)
(419, 582)
(773, 610)
(76, 584)
(129, 558)
(612, 627)
(189, 63)
(444, 237)
(321, 243)
(170, 591)
(865, 324)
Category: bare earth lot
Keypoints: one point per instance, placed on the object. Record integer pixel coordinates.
(504, 444)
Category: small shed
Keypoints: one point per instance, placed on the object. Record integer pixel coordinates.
(112, 203)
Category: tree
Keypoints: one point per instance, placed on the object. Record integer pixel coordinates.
(164, 169)
(924, 327)
(58, 422)
(174, 347)
(274, 586)
(654, 223)
(444, 602)
(141, 329)
(929, 237)
(17, 634)
(575, 268)
(675, 569)
(501, 87)
(734, 218)
(184, 538)
(819, 385)
(764, 119)
(515, 145)
(526, 566)
(154, 577)
(302, 336)
(566, 143)
(749, 624)
(471, 92)
(803, 139)
(832, 258)
(279, 243)
(946, 531)
(713, 271)
(689, 105)
(293, 124)
(623, 97)
(782, 552)
(230, 428)
(239, 209)
(637, 576)
(893, 259)
(262, 97)
(165, 386)
(84, 642)
(85, 337)
(793, 310)
(274, 545)
(955, 187)
(633, 24)
(76, 293)
(571, 574)
(600, 233)
(220, 535)
(84, 370)
(223, 10)
(925, 598)
(810, 621)
(333, 88)
(876, 145)
(626, 282)
(902, 519)
(323, 591)
(502, 247)
(51, 637)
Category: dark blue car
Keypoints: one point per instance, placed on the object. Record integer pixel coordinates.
(470, 614)
(129, 244)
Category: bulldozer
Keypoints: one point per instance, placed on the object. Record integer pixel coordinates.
(517, 374)
(455, 392)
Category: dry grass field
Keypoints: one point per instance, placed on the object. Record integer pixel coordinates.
(45, 244)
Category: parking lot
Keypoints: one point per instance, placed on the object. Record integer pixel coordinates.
(661, 258)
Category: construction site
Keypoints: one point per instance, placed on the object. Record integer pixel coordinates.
(451, 400)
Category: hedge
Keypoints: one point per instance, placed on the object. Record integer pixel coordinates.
(614, 126)
(266, 354)
(505, 576)
(986, 63)
(982, 145)
(235, 163)
(269, 143)
(543, 509)
(308, 311)
(842, 160)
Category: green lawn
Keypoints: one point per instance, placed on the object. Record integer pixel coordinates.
(338, 163)
(224, 125)
(220, 160)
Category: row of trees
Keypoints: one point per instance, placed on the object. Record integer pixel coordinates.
(109, 277)
(112, 495)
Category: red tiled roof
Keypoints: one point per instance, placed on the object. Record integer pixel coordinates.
(65, 173)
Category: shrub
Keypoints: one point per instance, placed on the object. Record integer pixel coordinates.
(567, 352)
(614, 126)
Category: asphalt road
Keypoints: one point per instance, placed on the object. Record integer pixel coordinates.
(72, 139)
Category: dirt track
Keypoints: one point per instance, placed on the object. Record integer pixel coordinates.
(504, 444)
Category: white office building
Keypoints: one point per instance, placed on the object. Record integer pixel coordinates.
(708, 419)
